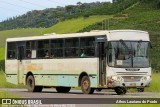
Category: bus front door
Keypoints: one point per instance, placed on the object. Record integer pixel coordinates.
(20, 63)
(102, 62)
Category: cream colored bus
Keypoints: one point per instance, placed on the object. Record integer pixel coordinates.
(113, 59)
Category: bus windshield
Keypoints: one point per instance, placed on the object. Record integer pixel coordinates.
(127, 54)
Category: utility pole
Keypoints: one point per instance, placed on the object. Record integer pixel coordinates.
(102, 24)
(108, 23)
(105, 24)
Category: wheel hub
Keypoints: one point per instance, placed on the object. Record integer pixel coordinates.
(86, 84)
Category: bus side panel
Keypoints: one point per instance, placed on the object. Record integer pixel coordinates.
(11, 69)
(94, 81)
(62, 72)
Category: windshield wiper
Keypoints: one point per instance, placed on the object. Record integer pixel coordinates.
(124, 44)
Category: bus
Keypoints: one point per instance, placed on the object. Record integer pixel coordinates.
(95, 60)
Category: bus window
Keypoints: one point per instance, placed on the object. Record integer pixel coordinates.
(28, 54)
(57, 48)
(88, 45)
(43, 47)
(72, 47)
(30, 48)
(11, 50)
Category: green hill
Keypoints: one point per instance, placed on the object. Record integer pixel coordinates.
(140, 16)
(75, 25)
(47, 17)
(18, 33)
(67, 26)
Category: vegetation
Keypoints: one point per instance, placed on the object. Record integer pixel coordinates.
(137, 105)
(154, 87)
(4, 94)
(46, 18)
(18, 33)
(140, 16)
(2, 54)
(3, 82)
(49, 17)
(107, 8)
(74, 25)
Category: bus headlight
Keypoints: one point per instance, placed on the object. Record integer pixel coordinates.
(146, 78)
(116, 78)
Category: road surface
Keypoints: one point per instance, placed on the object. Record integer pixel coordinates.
(51, 93)
(77, 97)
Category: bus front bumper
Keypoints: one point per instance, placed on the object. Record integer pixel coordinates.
(139, 84)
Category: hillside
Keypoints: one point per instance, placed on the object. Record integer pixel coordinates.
(75, 25)
(143, 15)
(51, 16)
(18, 33)
(47, 17)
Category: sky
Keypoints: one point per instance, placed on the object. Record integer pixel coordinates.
(10, 8)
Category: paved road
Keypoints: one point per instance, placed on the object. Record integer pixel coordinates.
(77, 97)
(51, 93)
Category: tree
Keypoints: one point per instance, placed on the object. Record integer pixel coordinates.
(79, 3)
(69, 9)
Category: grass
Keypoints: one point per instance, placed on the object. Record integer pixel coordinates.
(4, 94)
(154, 86)
(74, 25)
(2, 53)
(4, 84)
(137, 105)
(18, 33)
(67, 26)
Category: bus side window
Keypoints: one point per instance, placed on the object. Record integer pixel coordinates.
(11, 50)
(46, 54)
(28, 54)
(88, 46)
(71, 47)
(43, 46)
(57, 48)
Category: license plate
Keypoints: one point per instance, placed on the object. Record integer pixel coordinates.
(133, 84)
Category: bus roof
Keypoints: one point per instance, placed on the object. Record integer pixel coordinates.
(111, 35)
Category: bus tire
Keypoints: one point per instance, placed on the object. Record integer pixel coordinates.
(85, 85)
(98, 90)
(39, 88)
(140, 89)
(31, 85)
(120, 90)
(63, 89)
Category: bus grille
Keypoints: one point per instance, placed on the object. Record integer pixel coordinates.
(131, 73)
(131, 78)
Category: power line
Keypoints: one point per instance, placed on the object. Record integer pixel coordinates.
(32, 3)
(56, 2)
(67, 1)
(9, 9)
(15, 5)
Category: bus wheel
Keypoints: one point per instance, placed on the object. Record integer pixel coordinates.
(63, 89)
(120, 90)
(98, 90)
(31, 85)
(140, 89)
(85, 85)
(39, 88)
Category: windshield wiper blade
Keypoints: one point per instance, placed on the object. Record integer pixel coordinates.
(124, 44)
